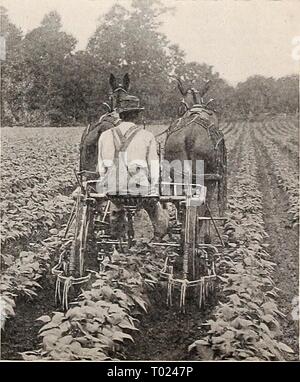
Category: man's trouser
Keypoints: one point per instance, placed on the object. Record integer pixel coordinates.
(158, 216)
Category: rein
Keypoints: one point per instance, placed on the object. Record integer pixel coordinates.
(119, 88)
(180, 119)
(163, 132)
(111, 98)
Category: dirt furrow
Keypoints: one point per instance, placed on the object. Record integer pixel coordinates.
(284, 245)
(21, 331)
(165, 333)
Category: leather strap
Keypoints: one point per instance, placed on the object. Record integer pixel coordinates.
(124, 140)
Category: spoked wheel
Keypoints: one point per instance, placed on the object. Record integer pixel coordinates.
(83, 220)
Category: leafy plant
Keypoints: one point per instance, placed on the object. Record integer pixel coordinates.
(245, 324)
(96, 326)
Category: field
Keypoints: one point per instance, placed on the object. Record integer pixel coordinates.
(254, 312)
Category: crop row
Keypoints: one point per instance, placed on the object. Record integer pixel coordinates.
(234, 136)
(20, 279)
(282, 139)
(103, 318)
(228, 128)
(288, 126)
(245, 324)
(21, 272)
(36, 168)
(30, 216)
(286, 176)
(31, 157)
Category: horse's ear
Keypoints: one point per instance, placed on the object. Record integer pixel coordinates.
(112, 81)
(126, 81)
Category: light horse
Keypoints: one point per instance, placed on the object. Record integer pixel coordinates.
(195, 136)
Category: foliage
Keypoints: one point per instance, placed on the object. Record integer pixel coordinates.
(118, 48)
(46, 50)
(102, 319)
(20, 279)
(36, 169)
(12, 79)
(266, 95)
(45, 81)
(282, 152)
(245, 324)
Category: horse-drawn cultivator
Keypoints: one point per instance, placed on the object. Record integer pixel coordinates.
(190, 249)
(190, 257)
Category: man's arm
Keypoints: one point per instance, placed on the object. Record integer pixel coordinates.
(105, 145)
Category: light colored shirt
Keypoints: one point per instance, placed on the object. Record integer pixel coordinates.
(141, 158)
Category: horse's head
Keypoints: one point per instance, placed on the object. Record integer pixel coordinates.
(118, 90)
(192, 97)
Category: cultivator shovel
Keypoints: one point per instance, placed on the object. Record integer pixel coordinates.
(198, 263)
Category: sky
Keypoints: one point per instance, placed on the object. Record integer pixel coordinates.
(239, 38)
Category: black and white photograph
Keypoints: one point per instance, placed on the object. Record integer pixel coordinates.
(149, 182)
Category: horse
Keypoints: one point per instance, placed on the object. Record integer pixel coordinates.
(89, 140)
(195, 136)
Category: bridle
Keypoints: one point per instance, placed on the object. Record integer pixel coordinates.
(194, 92)
(111, 105)
(119, 88)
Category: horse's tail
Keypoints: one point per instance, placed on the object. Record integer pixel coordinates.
(82, 148)
(88, 147)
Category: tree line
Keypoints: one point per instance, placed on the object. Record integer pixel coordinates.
(46, 81)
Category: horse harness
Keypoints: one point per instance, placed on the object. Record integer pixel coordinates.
(215, 135)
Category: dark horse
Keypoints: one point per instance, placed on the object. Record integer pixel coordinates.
(91, 134)
(196, 136)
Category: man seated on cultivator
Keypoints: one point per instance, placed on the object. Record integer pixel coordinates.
(128, 162)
